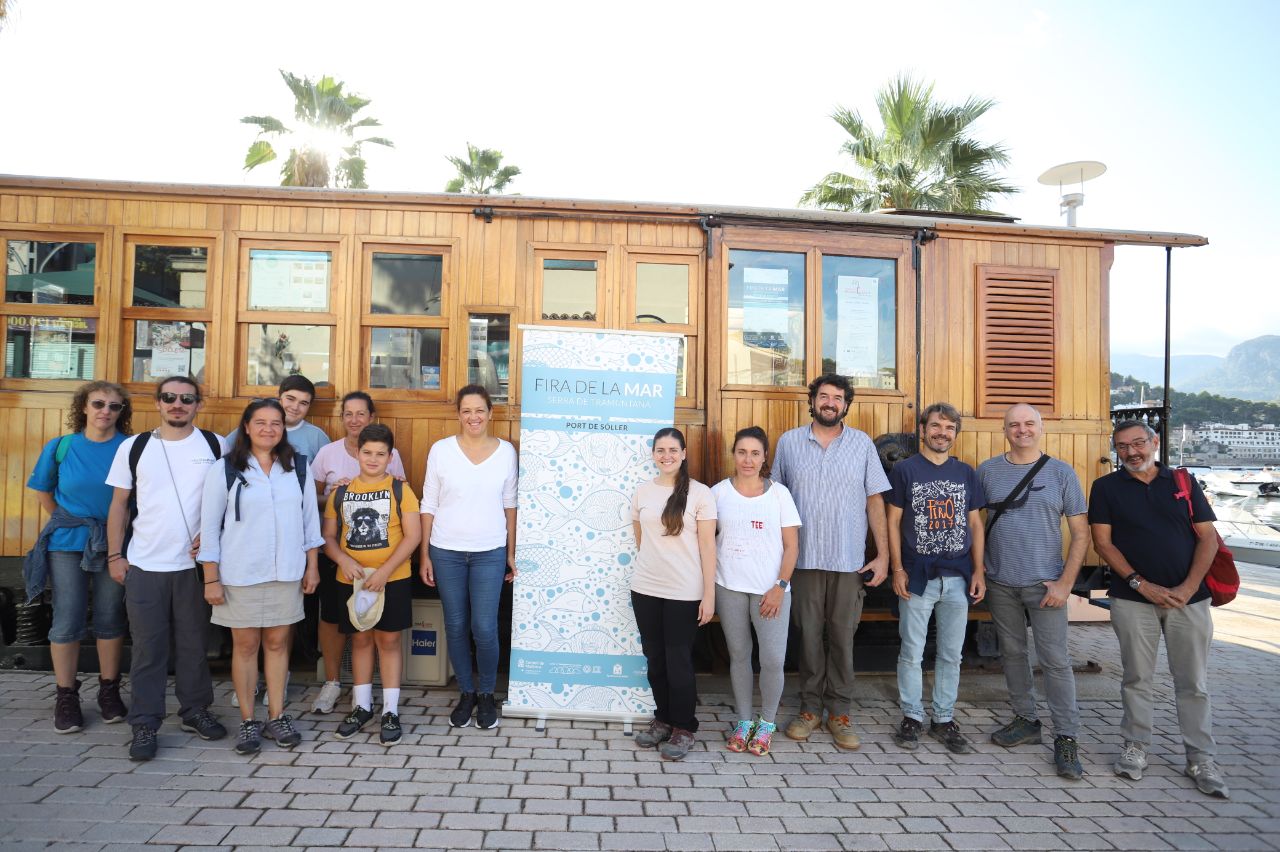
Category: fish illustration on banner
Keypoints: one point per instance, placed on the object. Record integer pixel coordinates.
(590, 403)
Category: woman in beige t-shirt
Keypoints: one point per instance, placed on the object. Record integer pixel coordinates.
(673, 589)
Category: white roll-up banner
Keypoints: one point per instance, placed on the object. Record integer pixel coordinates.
(590, 402)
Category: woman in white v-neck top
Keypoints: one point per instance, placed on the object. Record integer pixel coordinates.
(468, 547)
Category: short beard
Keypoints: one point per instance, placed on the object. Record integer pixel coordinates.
(821, 419)
(1146, 465)
(178, 424)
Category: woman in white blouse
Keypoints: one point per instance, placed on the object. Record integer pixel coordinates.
(259, 537)
(468, 547)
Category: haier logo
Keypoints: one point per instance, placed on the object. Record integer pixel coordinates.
(424, 643)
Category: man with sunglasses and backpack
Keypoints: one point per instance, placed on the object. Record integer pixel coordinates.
(153, 531)
(1158, 559)
(1028, 581)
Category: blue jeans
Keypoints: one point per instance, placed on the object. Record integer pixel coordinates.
(470, 586)
(949, 597)
(71, 599)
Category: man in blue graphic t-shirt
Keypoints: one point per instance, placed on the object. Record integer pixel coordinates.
(935, 548)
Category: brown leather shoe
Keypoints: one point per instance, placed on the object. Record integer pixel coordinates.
(802, 726)
(842, 732)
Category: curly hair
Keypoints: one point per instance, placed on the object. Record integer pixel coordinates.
(77, 420)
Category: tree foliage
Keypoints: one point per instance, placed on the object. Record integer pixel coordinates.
(1194, 409)
(481, 172)
(324, 149)
(924, 158)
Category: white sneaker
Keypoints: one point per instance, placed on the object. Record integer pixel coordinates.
(1132, 762)
(265, 697)
(328, 697)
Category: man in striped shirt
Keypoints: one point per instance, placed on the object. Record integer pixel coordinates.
(835, 476)
(1028, 581)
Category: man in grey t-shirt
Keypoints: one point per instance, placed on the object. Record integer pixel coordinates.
(1027, 579)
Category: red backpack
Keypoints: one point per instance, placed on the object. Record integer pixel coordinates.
(1223, 579)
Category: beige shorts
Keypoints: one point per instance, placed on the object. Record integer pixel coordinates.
(260, 605)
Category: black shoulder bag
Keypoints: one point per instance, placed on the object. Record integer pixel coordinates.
(993, 515)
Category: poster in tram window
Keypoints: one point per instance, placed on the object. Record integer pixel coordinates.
(51, 351)
(288, 280)
(857, 326)
(590, 403)
(766, 302)
(170, 349)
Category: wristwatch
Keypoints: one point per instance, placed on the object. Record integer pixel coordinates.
(783, 584)
(1134, 581)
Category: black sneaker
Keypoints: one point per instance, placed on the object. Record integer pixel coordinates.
(67, 718)
(908, 733)
(144, 744)
(1066, 758)
(282, 731)
(390, 732)
(1021, 731)
(461, 715)
(948, 733)
(249, 737)
(486, 711)
(109, 703)
(350, 726)
(203, 724)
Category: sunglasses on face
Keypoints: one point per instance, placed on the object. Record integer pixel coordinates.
(187, 398)
(102, 403)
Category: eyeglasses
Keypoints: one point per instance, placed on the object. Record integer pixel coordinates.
(102, 403)
(187, 398)
(1139, 445)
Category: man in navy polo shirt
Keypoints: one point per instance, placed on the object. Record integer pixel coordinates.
(1141, 529)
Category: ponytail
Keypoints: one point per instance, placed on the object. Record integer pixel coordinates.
(673, 512)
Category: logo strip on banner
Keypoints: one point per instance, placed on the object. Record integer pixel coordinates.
(590, 403)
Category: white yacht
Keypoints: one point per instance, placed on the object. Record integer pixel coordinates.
(1250, 539)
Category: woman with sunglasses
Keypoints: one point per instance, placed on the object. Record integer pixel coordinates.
(70, 482)
(259, 537)
(337, 464)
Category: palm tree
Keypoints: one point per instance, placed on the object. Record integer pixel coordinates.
(923, 159)
(481, 172)
(327, 131)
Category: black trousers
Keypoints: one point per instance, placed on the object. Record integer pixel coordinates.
(164, 606)
(667, 631)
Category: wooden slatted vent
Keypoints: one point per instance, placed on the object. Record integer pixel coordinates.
(1016, 341)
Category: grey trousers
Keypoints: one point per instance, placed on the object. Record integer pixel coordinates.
(164, 605)
(1188, 633)
(830, 600)
(739, 612)
(1011, 607)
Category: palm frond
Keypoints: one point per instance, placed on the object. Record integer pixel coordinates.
(259, 152)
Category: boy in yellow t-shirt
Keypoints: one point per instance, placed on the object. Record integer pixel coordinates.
(379, 529)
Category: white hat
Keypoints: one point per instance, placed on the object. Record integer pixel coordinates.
(365, 608)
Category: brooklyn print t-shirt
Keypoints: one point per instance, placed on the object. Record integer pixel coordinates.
(370, 528)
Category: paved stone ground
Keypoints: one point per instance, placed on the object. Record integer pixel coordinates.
(585, 786)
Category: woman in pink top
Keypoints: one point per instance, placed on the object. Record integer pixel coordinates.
(337, 464)
(672, 589)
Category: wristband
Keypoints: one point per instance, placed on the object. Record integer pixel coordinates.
(214, 580)
(115, 556)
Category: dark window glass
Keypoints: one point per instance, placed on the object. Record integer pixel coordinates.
(49, 273)
(407, 284)
(168, 348)
(489, 354)
(169, 276)
(50, 348)
(405, 358)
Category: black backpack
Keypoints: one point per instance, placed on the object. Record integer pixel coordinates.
(237, 476)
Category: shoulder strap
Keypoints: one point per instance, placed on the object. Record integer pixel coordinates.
(397, 495)
(1182, 478)
(300, 469)
(339, 495)
(64, 447)
(994, 516)
(215, 444)
(135, 455)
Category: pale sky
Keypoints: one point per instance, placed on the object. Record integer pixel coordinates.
(717, 103)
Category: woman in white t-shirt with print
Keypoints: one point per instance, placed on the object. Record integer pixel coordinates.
(756, 548)
(672, 589)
